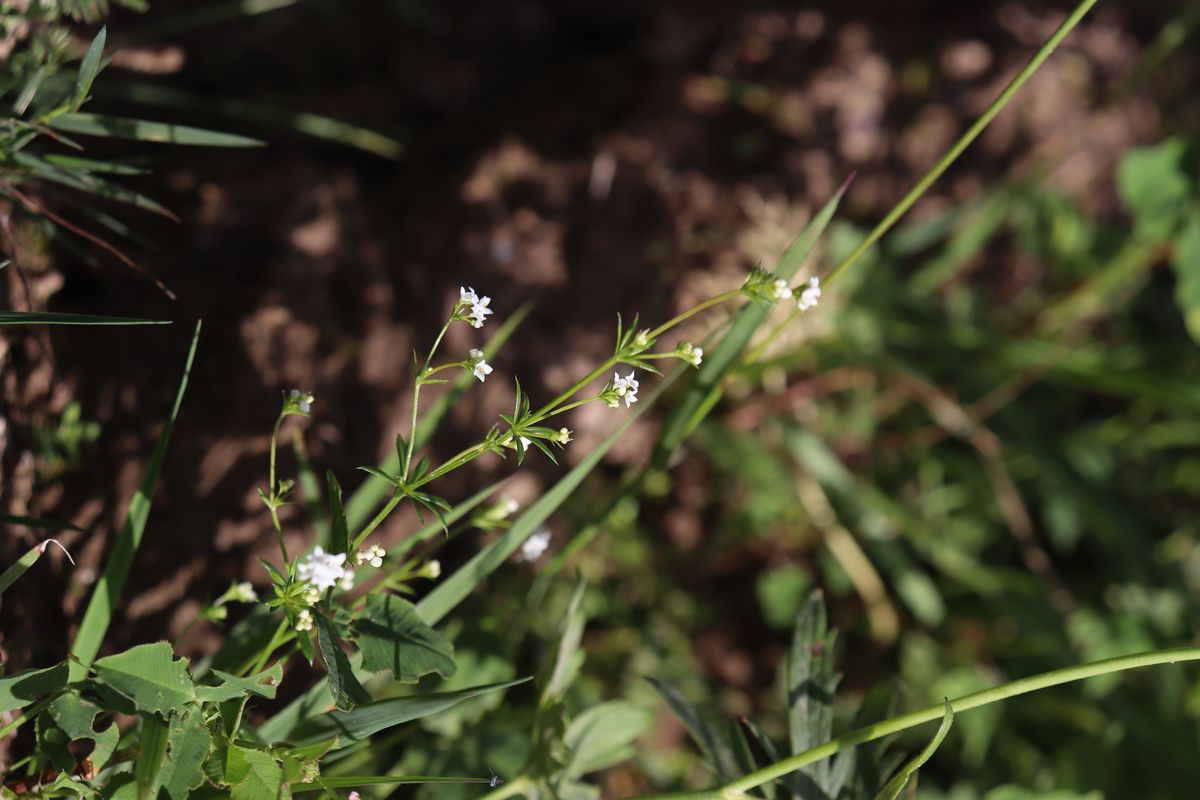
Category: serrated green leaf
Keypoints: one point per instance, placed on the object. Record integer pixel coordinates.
(264, 684)
(150, 677)
(145, 131)
(896, 785)
(253, 774)
(344, 688)
(371, 718)
(88, 68)
(188, 745)
(603, 736)
(70, 719)
(392, 637)
(18, 691)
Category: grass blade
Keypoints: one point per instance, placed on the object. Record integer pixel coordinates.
(146, 131)
(48, 318)
(88, 69)
(20, 567)
(104, 599)
(896, 785)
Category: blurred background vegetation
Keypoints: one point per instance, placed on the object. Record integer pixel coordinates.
(983, 448)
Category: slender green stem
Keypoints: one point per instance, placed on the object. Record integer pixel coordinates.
(513, 787)
(379, 518)
(274, 489)
(696, 309)
(964, 141)
(29, 713)
(547, 409)
(997, 694)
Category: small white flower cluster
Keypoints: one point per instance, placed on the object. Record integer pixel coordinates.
(626, 387)
(299, 402)
(782, 290)
(479, 305)
(563, 437)
(304, 621)
(432, 569)
(326, 570)
(373, 555)
(479, 368)
(690, 353)
(811, 295)
(311, 596)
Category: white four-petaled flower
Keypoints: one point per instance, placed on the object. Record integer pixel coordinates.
(373, 555)
(480, 311)
(626, 387)
(535, 545)
(323, 570)
(811, 294)
(467, 296)
(782, 290)
(482, 370)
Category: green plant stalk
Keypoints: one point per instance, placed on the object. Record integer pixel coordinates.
(378, 520)
(964, 141)
(275, 489)
(986, 697)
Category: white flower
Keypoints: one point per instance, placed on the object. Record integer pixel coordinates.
(482, 370)
(433, 569)
(563, 437)
(354, 796)
(323, 570)
(811, 294)
(304, 621)
(303, 400)
(535, 545)
(510, 506)
(626, 387)
(690, 353)
(642, 340)
(373, 555)
(347, 581)
(480, 311)
(467, 296)
(782, 290)
(312, 595)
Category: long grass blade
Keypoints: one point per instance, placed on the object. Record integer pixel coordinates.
(145, 131)
(104, 599)
(48, 318)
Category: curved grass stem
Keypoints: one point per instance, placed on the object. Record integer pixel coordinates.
(933, 713)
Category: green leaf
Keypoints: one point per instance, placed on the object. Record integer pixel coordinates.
(264, 684)
(339, 531)
(567, 657)
(18, 691)
(70, 719)
(29, 91)
(1186, 263)
(152, 749)
(896, 785)
(254, 774)
(344, 688)
(392, 637)
(704, 392)
(150, 677)
(812, 684)
(142, 130)
(46, 318)
(84, 182)
(603, 736)
(20, 566)
(371, 718)
(88, 68)
(188, 745)
(104, 598)
(1154, 185)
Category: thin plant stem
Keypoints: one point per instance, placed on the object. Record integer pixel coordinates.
(379, 518)
(997, 694)
(275, 489)
(964, 141)
(696, 309)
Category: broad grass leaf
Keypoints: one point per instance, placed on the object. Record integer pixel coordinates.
(393, 638)
(149, 676)
(18, 691)
(371, 718)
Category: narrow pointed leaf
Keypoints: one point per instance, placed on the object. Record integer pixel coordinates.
(142, 130)
(896, 785)
(339, 532)
(47, 318)
(88, 68)
(344, 688)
